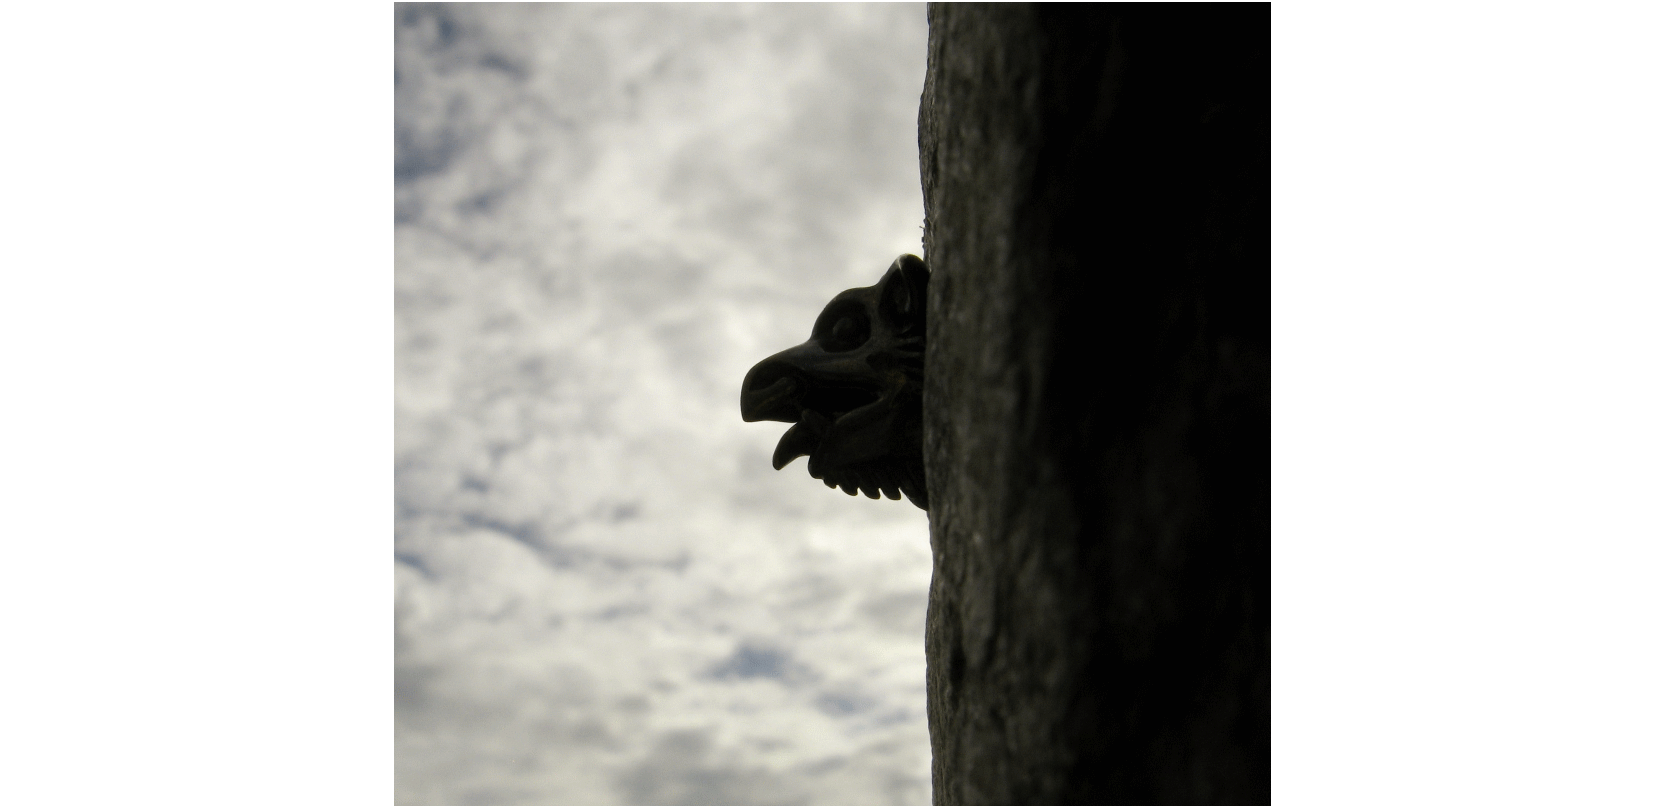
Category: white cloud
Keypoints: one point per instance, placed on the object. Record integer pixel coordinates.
(605, 594)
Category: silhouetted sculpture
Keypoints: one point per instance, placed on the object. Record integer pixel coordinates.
(853, 390)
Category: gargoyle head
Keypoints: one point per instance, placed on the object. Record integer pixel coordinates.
(853, 390)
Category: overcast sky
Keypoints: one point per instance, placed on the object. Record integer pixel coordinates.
(605, 594)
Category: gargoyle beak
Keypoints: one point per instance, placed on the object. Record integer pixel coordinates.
(776, 402)
(776, 389)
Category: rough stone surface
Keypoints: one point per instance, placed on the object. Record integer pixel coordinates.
(1096, 403)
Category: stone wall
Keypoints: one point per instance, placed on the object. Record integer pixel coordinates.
(1096, 402)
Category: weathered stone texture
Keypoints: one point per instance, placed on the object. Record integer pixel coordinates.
(1096, 403)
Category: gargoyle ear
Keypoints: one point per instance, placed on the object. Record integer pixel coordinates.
(902, 296)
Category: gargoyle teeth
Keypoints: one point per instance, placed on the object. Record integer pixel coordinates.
(882, 476)
(863, 480)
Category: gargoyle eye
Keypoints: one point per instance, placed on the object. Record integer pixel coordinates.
(847, 332)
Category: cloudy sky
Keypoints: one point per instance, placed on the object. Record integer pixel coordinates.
(605, 214)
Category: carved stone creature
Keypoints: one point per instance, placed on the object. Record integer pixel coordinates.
(853, 390)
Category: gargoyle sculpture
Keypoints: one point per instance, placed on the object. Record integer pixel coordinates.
(853, 390)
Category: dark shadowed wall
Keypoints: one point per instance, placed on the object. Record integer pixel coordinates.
(1096, 413)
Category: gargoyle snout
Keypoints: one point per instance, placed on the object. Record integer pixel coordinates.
(781, 387)
(772, 391)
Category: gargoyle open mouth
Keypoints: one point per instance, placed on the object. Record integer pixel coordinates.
(821, 410)
(852, 392)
